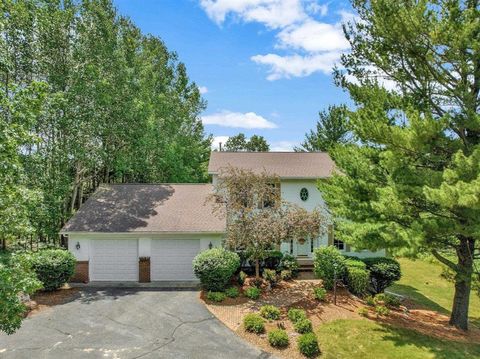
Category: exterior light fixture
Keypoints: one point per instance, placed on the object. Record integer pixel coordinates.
(210, 245)
(77, 246)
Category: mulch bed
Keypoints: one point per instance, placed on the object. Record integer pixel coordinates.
(299, 294)
(41, 301)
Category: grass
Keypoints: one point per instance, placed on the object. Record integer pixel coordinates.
(363, 338)
(422, 283)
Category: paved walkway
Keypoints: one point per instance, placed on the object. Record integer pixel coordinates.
(126, 323)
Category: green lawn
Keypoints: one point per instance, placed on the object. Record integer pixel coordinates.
(360, 339)
(422, 283)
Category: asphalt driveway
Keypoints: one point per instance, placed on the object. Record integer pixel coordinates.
(126, 323)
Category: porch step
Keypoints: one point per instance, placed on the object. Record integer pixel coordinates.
(306, 264)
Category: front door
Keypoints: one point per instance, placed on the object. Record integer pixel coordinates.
(303, 249)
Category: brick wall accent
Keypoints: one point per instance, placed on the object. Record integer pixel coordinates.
(81, 272)
(144, 269)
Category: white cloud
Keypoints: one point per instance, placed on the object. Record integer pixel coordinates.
(203, 89)
(282, 146)
(297, 65)
(313, 36)
(271, 13)
(217, 140)
(309, 45)
(238, 120)
(316, 8)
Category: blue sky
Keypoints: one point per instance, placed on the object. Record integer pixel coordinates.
(263, 65)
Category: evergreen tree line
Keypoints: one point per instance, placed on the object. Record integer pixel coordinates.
(85, 99)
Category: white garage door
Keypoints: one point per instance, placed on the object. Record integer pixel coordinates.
(171, 259)
(113, 260)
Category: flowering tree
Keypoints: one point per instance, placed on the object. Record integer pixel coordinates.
(257, 218)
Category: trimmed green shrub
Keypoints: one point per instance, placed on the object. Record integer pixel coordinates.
(358, 280)
(326, 261)
(387, 299)
(286, 274)
(254, 323)
(303, 326)
(278, 338)
(270, 276)
(354, 262)
(216, 296)
(270, 312)
(308, 345)
(295, 314)
(320, 293)
(252, 293)
(232, 292)
(242, 276)
(381, 310)
(363, 311)
(215, 267)
(383, 272)
(370, 300)
(53, 267)
(290, 263)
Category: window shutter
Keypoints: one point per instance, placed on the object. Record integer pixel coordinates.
(330, 234)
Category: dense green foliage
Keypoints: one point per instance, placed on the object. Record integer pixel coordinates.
(241, 143)
(383, 272)
(53, 267)
(270, 312)
(409, 181)
(278, 338)
(328, 263)
(254, 323)
(303, 326)
(16, 278)
(320, 293)
(252, 293)
(358, 280)
(215, 267)
(332, 129)
(295, 314)
(308, 345)
(232, 292)
(216, 296)
(270, 276)
(85, 99)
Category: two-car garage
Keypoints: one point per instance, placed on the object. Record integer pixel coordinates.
(118, 259)
(143, 232)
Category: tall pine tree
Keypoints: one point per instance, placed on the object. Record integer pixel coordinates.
(412, 181)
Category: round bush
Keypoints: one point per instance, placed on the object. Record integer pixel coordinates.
(295, 314)
(254, 323)
(383, 272)
(252, 293)
(232, 292)
(303, 326)
(320, 293)
(216, 296)
(278, 338)
(270, 312)
(308, 345)
(286, 274)
(358, 280)
(215, 267)
(326, 259)
(270, 276)
(53, 267)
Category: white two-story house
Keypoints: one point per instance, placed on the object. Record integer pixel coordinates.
(151, 232)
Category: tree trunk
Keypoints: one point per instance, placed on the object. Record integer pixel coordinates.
(463, 281)
(257, 269)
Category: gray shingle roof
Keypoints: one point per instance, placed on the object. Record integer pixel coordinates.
(283, 164)
(147, 208)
